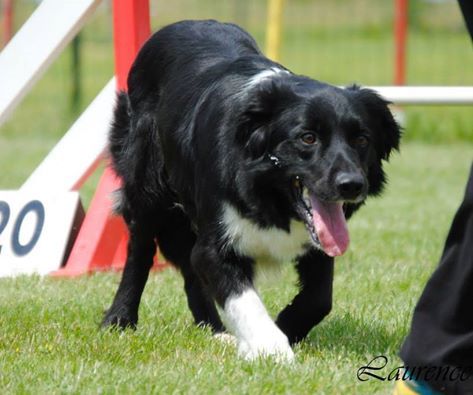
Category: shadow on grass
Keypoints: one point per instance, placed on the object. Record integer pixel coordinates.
(355, 335)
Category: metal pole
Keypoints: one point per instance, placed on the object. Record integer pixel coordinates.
(273, 29)
(7, 21)
(76, 73)
(400, 38)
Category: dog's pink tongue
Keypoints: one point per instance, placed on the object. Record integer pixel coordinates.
(331, 226)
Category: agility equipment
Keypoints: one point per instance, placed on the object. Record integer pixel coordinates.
(102, 239)
(101, 242)
(22, 63)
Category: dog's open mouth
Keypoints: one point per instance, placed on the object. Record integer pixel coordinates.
(324, 220)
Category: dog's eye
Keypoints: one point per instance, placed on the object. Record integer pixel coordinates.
(361, 141)
(309, 138)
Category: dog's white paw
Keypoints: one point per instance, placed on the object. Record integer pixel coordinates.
(257, 334)
(275, 346)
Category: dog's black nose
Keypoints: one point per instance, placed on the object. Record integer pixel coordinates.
(349, 185)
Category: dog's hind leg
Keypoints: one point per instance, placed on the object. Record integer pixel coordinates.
(141, 250)
(314, 300)
(176, 240)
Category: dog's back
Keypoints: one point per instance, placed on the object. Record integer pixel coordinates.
(170, 74)
(186, 50)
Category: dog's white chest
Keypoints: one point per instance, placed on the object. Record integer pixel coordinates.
(264, 244)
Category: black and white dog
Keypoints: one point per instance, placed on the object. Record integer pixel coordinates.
(228, 160)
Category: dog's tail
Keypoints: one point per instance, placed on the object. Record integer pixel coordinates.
(136, 156)
(117, 143)
(119, 132)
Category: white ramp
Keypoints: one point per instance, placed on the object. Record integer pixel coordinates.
(40, 40)
(79, 151)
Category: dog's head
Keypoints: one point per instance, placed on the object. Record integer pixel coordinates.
(323, 147)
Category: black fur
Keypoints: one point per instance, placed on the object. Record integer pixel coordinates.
(191, 135)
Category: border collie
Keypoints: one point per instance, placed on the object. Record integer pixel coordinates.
(228, 159)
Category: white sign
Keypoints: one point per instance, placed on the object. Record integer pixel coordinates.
(37, 230)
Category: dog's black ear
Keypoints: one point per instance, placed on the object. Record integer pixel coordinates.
(264, 102)
(382, 122)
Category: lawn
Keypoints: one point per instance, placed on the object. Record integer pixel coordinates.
(49, 336)
(50, 341)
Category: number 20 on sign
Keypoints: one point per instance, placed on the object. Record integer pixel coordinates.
(36, 230)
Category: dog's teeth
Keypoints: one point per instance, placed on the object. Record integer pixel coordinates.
(306, 197)
(306, 200)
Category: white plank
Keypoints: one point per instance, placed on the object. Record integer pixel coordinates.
(76, 155)
(40, 40)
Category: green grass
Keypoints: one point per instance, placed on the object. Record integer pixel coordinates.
(50, 342)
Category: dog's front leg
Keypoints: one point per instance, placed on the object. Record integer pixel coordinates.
(228, 278)
(314, 300)
(256, 333)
